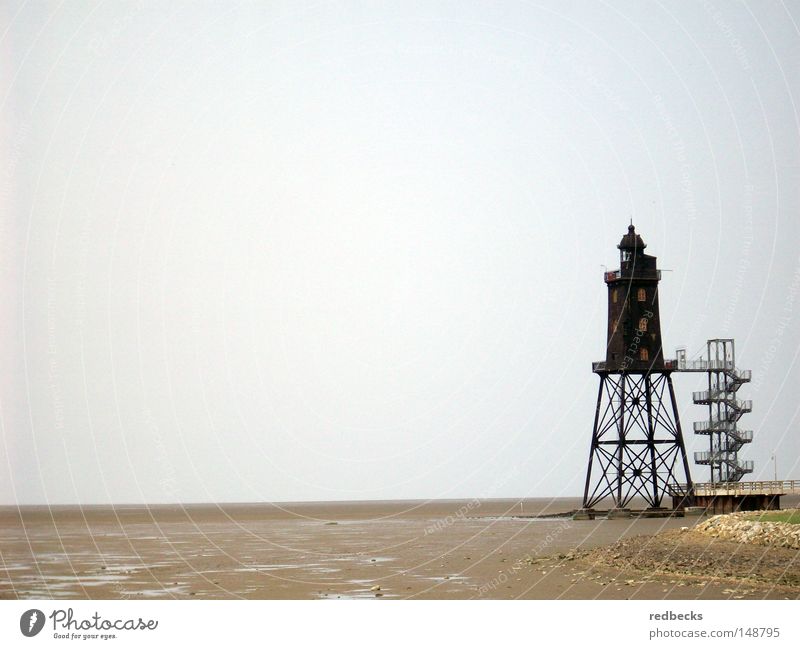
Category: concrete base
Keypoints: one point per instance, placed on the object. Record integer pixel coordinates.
(660, 512)
(618, 513)
(694, 511)
(583, 515)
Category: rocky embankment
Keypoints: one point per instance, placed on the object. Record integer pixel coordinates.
(744, 527)
(732, 548)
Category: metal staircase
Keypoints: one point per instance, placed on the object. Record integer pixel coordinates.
(734, 468)
(724, 410)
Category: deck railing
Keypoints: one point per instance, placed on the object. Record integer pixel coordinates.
(759, 487)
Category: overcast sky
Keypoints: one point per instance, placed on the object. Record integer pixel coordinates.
(344, 250)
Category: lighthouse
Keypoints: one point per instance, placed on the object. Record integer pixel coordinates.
(637, 446)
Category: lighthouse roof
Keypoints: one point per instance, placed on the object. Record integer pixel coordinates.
(632, 241)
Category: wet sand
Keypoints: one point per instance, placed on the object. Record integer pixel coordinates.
(436, 550)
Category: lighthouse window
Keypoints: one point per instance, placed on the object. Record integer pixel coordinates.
(641, 295)
(644, 355)
(642, 324)
(614, 296)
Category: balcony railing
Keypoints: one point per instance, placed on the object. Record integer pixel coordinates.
(612, 275)
(724, 457)
(735, 375)
(713, 426)
(704, 365)
(723, 397)
(735, 439)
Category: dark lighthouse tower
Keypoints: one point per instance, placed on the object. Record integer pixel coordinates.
(637, 444)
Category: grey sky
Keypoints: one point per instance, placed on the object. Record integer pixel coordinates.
(285, 251)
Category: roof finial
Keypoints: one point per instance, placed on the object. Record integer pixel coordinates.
(631, 240)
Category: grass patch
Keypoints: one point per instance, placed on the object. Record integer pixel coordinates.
(786, 516)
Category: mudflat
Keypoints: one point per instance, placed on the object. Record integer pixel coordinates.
(459, 549)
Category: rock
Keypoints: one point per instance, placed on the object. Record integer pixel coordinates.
(742, 527)
(375, 588)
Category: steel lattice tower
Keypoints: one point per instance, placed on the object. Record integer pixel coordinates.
(637, 445)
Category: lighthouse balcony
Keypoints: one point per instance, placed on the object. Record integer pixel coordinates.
(638, 273)
(631, 367)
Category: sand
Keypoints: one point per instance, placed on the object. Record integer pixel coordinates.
(435, 550)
